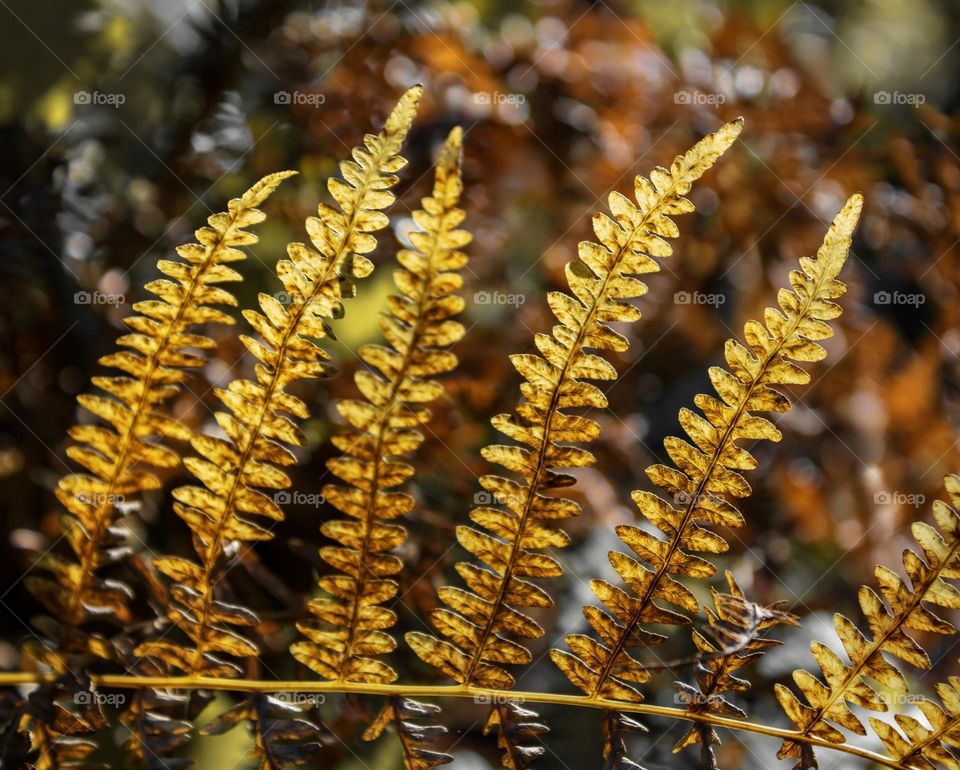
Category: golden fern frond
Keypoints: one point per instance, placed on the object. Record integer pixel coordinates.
(414, 736)
(120, 452)
(732, 638)
(907, 608)
(926, 748)
(547, 433)
(704, 474)
(350, 624)
(236, 470)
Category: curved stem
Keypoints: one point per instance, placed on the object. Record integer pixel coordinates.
(480, 694)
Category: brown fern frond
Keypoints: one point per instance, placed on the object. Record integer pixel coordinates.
(907, 608)
(153, 717)
(616, 727)
(704, 474)
(239, 470)
(414, 736)
(350, 625)
(60, 736)
(121, 452)
(732, 638)
(510, 533)
(281, 737)
(516, 727)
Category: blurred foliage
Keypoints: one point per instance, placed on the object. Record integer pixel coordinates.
(561, 101)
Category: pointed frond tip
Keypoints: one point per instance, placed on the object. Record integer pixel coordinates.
(123, 451)
(347, 635)
(706, 474)
(241, 472)
(477, 620)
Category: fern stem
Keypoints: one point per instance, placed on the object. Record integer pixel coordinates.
(484, 694)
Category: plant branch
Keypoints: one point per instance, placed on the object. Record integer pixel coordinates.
(481, 694)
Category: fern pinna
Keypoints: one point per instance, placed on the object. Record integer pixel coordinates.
(350, 625)
(907, 608)
(705, 473)
(234, 470)
(162, 347)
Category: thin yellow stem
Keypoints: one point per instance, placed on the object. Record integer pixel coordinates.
(480, 694)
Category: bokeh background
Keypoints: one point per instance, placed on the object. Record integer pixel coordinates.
(123, 123)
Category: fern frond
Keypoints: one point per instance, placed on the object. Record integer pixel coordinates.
(281, 737)
(120, 452)
(414, 736)
(475, 647)
(732, 638)
(907, 608)
(238, 470)
(704, 474)
(616, 727)
(926, 748)
(516, 727)
(350, 626)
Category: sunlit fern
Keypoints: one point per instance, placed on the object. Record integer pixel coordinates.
(483, 628)
(163, 345)
(236, 470)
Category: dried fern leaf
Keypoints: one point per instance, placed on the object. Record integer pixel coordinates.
(898, 608)
(60, 739)
(281, 737)
(478, 619)
(414, 735)
(516, 728)
(616, 727)
(350, 623)
(732, 638)
(120, 452)
(705, 471)
(240, 471)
